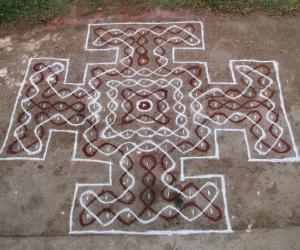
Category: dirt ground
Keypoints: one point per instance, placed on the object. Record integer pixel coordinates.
(263, 198)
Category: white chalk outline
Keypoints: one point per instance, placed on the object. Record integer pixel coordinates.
(216, 156)
(159, 232)
(202, 47)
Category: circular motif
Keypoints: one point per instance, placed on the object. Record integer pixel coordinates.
(144, 105)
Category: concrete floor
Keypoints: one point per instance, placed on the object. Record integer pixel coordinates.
(263, 198)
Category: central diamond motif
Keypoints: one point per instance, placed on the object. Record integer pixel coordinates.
(145, 108)
(143, 103)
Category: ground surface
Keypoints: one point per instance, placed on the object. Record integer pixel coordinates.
(262, 197)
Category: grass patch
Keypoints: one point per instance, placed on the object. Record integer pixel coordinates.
(282, 6)
(230, 6)
(95, 3)
(34, 11)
